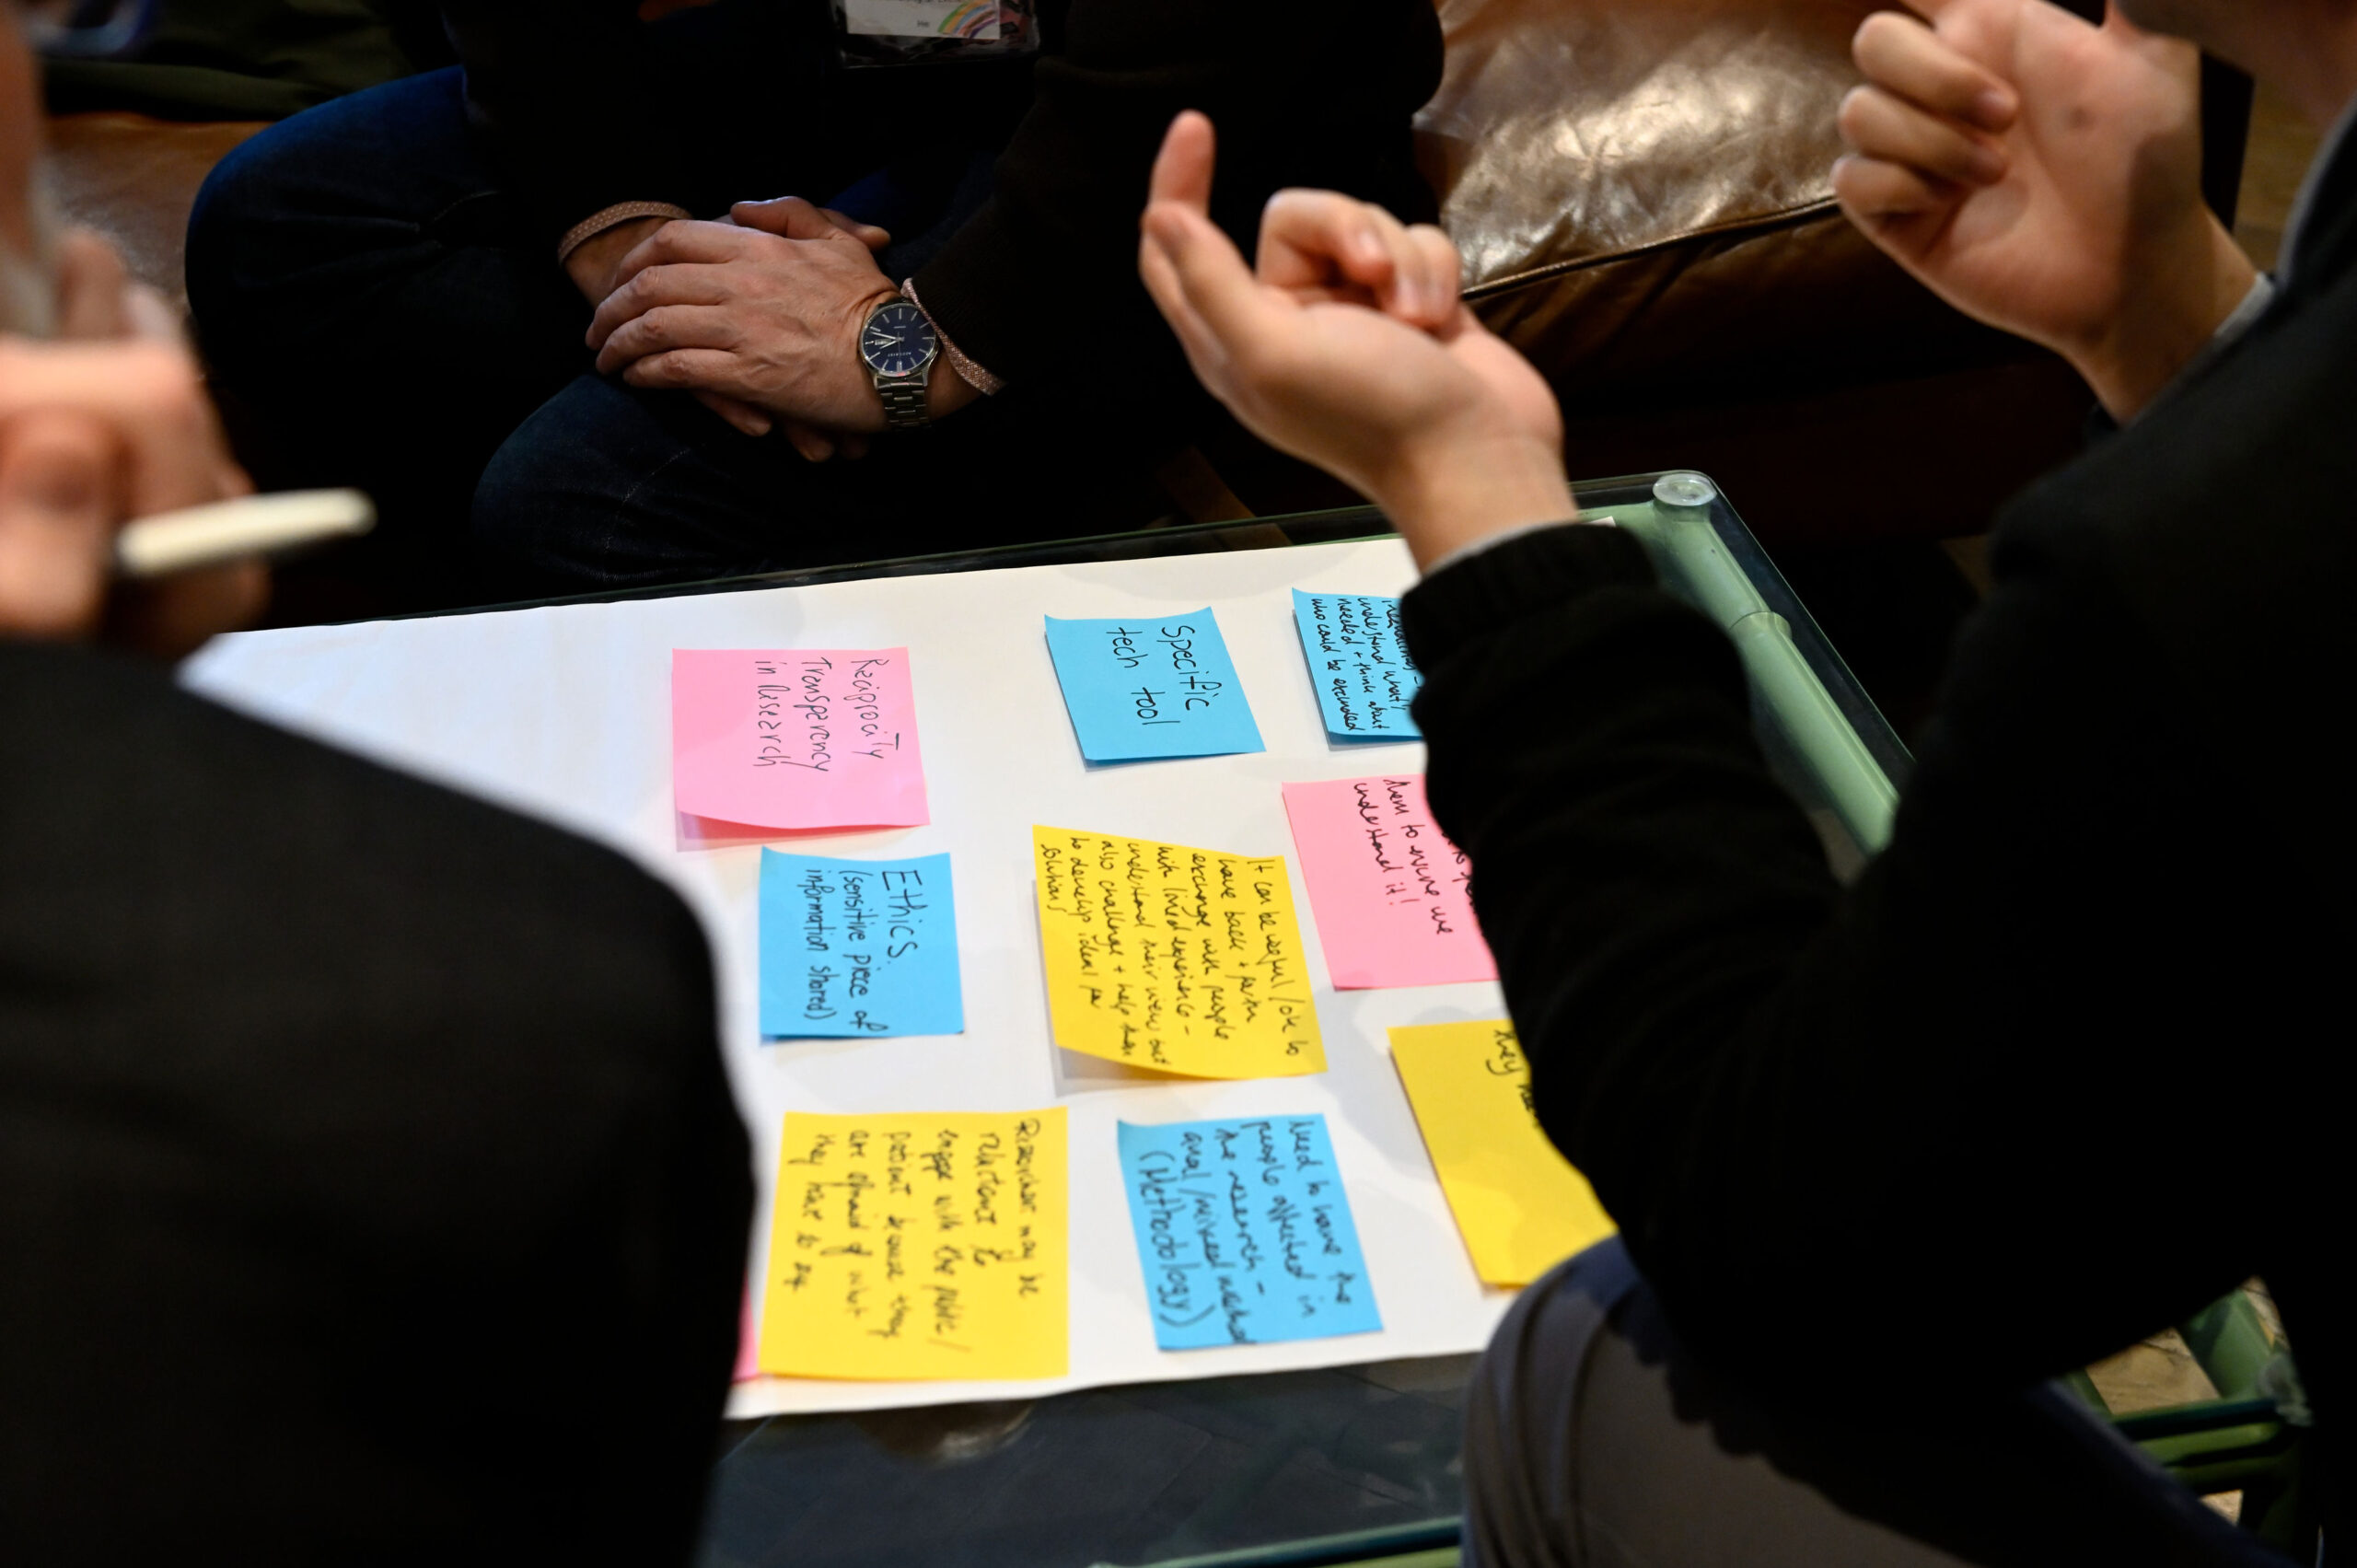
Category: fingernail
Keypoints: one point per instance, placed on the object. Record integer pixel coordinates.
(1987, 163)
(1993, 107)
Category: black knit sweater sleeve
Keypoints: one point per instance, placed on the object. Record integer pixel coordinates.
(1790, 1094)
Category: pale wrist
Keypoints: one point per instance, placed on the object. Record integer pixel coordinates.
(1443, 499)
(2179, 313)
(947, 391)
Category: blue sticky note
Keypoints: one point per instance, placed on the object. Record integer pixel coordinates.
(1150, 686)
(1245, 1233)
(854, 948)
(1358, 664)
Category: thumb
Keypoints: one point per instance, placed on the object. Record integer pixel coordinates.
(1182, 169)
(868, 234)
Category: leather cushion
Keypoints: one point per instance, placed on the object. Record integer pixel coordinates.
(1641, 190)
(133, 180)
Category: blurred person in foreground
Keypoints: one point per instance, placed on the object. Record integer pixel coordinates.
(1852, 1134)
(369, 1188)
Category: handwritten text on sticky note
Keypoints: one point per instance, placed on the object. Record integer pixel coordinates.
(1186, 961)
(1358, 664)
(1521, 1206)
(1389, 891)
(1245, 1233)
(851, 948)
(919, 1246)
(796, 738)
(1147, 686)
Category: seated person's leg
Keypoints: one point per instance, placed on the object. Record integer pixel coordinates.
(360, 286)
(608, 486)
(1594, 1439)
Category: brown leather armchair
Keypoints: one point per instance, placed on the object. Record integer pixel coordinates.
(1642, 193)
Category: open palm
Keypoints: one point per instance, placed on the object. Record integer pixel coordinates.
(2095, 180)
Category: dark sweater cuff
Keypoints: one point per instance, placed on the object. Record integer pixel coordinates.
(968, 289)
(1537, 571)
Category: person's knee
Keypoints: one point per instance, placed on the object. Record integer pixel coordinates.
(1568, 1304)
(243, 187)
(1522, 1408)
(285, 203)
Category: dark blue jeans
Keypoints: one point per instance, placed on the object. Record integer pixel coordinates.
(370, 302)
(1594, 1439)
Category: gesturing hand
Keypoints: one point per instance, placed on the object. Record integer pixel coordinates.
(1352, 349)
(760, 315)
(2044, 175)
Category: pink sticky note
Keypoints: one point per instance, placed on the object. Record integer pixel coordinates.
(796, 738)
(749, 1346)
(1387, 888)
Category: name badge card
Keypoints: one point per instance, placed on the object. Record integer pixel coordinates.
(1521, 1206)
(910, 1245)
(1358, 664)
(1185, 960)
(1389, 891)
(971, 19)
(855, 949)
(1146, 687)
(1245, 1233)
(795, 740)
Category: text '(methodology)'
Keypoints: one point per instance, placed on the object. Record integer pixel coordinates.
(1245, 1233)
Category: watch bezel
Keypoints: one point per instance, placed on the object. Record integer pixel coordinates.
(932, 348)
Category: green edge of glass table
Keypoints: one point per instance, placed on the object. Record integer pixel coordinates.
(1275, 1470)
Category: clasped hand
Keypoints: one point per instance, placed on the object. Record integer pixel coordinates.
(1348, 345)
(759, 316)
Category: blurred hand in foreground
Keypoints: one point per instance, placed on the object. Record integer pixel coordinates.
(108, 424)
(2044, 175)
(1350, 347)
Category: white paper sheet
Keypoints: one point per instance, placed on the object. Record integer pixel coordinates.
(564, 714)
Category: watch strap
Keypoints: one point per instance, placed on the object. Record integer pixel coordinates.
(904, 398)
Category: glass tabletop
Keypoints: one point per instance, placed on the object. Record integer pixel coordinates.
(1295, 1468)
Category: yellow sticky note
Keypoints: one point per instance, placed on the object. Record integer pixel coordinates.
(1186, 961)
(1521, 1205)
(919, 1246)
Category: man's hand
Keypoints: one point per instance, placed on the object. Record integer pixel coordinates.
(91, 436)
(760, 315)
(1352, 349)
(2044, 175)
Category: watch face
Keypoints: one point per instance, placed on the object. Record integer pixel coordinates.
(897, 341)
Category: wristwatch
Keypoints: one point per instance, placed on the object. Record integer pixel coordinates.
(898, 344)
